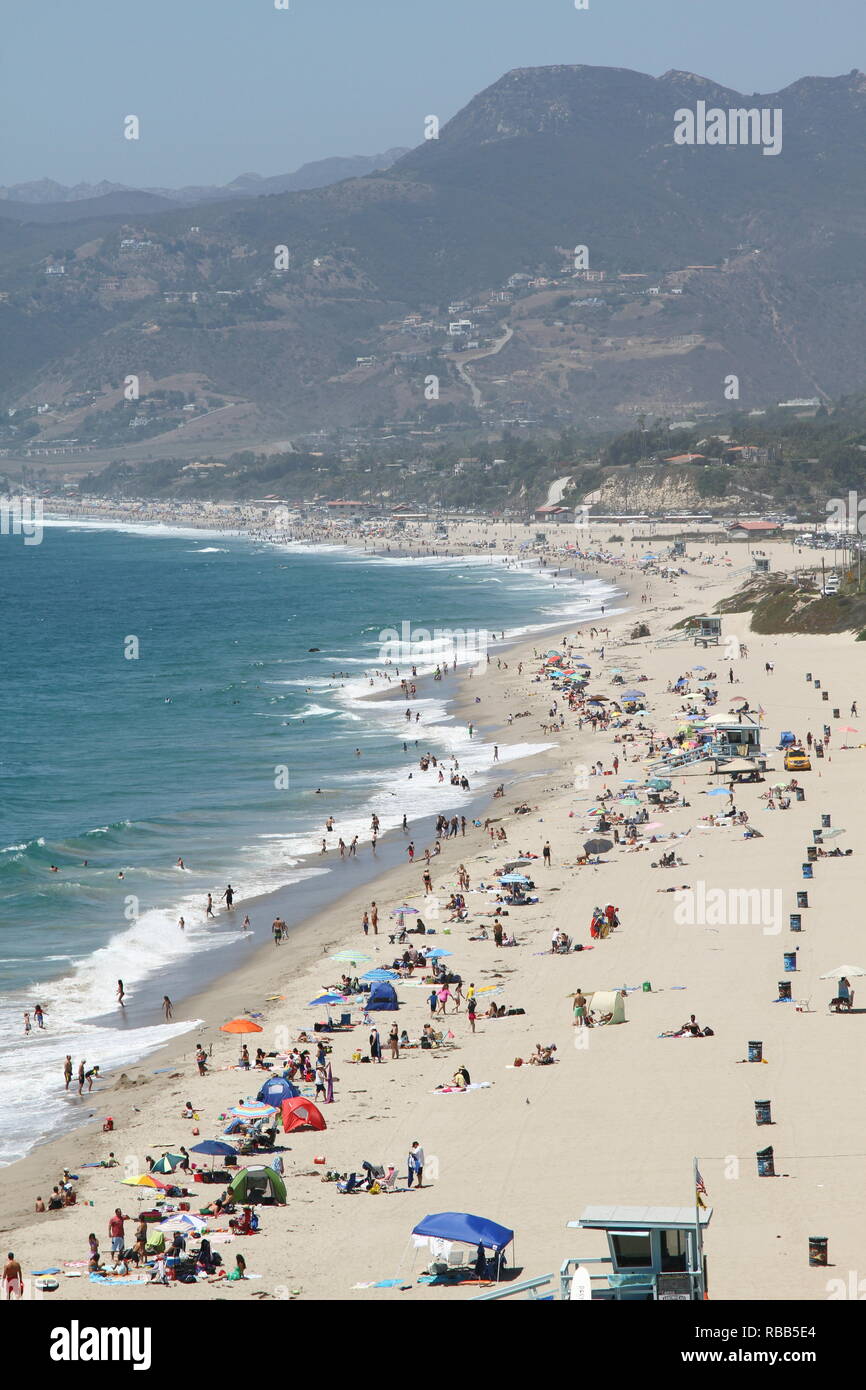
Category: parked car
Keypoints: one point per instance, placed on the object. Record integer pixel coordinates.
(796, 760)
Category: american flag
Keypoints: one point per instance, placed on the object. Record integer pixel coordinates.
(700, 1187)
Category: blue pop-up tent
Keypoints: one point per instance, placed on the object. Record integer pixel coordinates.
(462, 1226)
(383, 996)
(277, 1089)
(467, 1229)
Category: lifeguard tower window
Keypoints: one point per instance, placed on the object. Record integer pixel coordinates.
(632, 1249)
(674, 1251)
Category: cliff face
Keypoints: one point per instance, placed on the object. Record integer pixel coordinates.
(658, 491)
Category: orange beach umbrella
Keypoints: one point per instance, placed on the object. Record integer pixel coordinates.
(240, 1025)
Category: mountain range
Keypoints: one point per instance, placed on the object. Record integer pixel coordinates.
(45, 200)
(707, 271)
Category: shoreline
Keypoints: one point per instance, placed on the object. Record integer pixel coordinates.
(308, 898)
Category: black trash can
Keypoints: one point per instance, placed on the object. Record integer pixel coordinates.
(766, 1168)
(756, 1051)
(818, 1250)
(762, 1113)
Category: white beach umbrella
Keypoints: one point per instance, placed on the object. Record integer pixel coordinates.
(846, 970)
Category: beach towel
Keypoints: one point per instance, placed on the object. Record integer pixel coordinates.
(104, 1279)
(459, 1090)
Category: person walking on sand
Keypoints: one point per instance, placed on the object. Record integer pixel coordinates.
(545, 854)
(13, 1279)
(67, 1071)
(410, 850)
(416, 1164)
(277, 929)
(471, 1006)
(365, 924)
(375, 1046)
(443, 996)
(374, 918)
(208, 911)
(394, 1042)
(166, 1008)
(120, 993)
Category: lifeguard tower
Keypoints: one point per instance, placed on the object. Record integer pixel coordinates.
(760, 564)
(655, 1253)
(707, 631)
(735, 738)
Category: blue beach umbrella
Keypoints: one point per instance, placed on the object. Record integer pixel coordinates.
(718, 791)
(326, 999)
(514, 878)
(438, 952)
(214, 1147)
(380, 975)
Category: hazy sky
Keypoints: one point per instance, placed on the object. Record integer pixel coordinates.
(223, 87)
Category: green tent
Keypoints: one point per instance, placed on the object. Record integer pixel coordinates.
(258, 1185)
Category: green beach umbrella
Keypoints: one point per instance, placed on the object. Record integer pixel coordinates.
(167, 1163)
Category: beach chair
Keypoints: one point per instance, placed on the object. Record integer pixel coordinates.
(388, 1183)
(350, 1185)
(456, 1258)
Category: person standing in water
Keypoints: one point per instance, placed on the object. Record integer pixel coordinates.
(247, 925)
(67, 1071)
(208, 911)
(166, 1008)
(229, 896)
(120, 993)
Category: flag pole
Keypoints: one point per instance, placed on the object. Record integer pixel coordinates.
(698, 1184)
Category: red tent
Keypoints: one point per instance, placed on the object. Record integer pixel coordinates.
(301, 1114)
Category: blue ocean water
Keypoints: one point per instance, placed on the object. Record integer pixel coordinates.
(175, 694)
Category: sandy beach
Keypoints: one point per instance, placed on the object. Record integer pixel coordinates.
(622, 1113)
